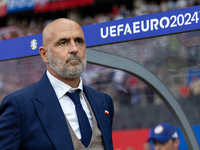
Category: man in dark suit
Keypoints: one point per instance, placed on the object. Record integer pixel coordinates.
(42, 116)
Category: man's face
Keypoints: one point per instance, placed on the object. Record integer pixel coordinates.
(170, 145)
(66, 50)
(74, 69)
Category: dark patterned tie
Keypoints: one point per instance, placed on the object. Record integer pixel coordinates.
(86, 131)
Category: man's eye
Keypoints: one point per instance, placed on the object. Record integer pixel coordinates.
(62, 43)
(79, 41)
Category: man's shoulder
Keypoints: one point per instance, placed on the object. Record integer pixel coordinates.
(28, 90)
(85, 87)
(21, 97)
(90, 89)
(95, 92)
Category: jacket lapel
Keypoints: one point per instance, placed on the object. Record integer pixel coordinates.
(51, 115)
(98, 105)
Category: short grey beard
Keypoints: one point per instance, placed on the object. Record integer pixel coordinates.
(65, 71)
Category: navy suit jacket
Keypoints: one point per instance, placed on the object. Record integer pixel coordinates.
(32, 118)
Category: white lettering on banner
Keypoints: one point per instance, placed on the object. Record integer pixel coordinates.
(161, 22)
(106, 35)
(188, 20)
(150, 25)
(154, 23)
(195, 17)
(136, 27)
(19, 4)
(113, 31)
(119, 29)
(147, 26)
(174, 21)
(127, 29)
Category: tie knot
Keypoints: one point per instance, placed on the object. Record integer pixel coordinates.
(74, 96)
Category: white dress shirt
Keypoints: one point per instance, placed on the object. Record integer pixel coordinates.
(67, 104)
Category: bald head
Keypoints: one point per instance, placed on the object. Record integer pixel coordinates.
(58, 26)
(64, 49)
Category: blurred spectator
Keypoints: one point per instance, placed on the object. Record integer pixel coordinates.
(164, 6)
(149, 95)
(135, 88)
(196, 2)
(9, 32)
(32, 23)
(195, 86)
(124, 11)
(87, 20)
(122, 88)
(184, 90)
(125, 92)
(181, 4)
(114, 11)
(171, 5)
(153, 7)
(99, 18)
(118, 79)
(144, 8)
(165, 137)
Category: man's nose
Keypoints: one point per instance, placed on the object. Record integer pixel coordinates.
(73, 48)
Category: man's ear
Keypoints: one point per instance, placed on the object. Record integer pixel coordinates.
(43, 53)
(176, 143)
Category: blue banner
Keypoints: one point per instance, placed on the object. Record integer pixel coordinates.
(143, 26)
(20, 5)
(20, 47)
(146, 26)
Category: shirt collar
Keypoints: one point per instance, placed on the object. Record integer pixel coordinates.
(62, 88)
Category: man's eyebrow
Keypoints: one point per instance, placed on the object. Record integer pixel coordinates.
(79, 37)
(65, 39)
(61, 39)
